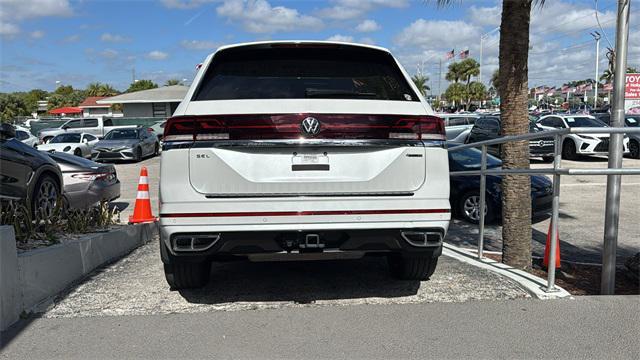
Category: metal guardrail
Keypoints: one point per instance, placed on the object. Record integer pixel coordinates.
(556, 171)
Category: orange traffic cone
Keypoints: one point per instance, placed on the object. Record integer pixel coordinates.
(547, 249)
(142, 209)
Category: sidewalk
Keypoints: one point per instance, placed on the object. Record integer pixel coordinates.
(586, 327)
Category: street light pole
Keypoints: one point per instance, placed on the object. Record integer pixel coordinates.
(612, 205)
(596, 35)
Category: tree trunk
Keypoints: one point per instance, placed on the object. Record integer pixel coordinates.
(516, 189)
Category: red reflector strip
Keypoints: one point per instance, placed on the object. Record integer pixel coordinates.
(308, 213)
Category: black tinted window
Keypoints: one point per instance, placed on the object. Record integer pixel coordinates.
(457, 121)
(108, 122)
(21, 135)
(294, 73)
(90, 122)
(73, 124)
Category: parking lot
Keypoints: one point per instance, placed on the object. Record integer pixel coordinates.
(582, 200)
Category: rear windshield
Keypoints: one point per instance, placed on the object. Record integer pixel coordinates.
(295, 73)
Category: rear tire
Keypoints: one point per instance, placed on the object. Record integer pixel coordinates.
(547, 159)
(138, 157)
(77, 152)
(187, 275)
(156, 150)
(414, 267)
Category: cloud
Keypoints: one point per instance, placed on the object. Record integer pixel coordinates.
(8, 30)
(367, 40)
(38, 34)
(368, 26)
(258, 16)
(71, 38)
(156, 55)
(485, 16)
(184, 4)
(434, 34)
(353, 9)
(14, 11)
(341, 38)
(199, 45)
(114, 38)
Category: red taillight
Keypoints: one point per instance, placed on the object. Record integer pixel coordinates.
(289, 126)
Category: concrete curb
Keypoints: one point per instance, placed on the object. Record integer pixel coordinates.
(33, 277)
(531, 283)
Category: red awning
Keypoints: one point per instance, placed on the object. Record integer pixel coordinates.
(66, 110)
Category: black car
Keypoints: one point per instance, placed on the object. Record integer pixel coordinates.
(26, 173)
(490, 127)
(465, 190)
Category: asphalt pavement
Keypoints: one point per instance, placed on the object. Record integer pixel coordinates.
(603, 327)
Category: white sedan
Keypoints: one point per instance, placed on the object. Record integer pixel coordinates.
(26, 137)
(71, 143)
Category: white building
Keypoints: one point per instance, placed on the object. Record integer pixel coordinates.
(160, 102)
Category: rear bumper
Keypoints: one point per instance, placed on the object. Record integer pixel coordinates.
(227, 240)
(93, 194)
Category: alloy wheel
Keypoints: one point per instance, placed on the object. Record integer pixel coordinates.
(46, 198)
(471, 207)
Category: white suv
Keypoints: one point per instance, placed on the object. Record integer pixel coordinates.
(302, 150)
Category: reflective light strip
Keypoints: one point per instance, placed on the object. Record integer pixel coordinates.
(143, 180)
(308, 213)
(142, 195)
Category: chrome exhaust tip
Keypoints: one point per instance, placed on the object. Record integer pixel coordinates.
(193, 243)
(422, 238)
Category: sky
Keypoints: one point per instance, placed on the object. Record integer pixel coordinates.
(44, 43)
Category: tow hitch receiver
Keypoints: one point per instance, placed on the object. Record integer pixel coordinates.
(311, 242)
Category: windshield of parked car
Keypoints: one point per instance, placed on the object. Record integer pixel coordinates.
(323, 72)
(118, 134)
(469, 159)
(583, 121)
(632, 121)
(66, 138)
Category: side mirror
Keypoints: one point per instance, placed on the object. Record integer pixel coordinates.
(7, 131)
(65, 127)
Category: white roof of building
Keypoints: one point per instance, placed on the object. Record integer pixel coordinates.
(173, 93)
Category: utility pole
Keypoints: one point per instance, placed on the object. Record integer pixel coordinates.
(133, 74)
(596, 35)
(440, 81)
(612, 205)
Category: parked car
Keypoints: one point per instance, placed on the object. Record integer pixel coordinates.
(490, 127)
(86, 182)
(630, 120)
(96, 127)
(580, 144)
(301, 150)
(465, 190)
(78, 144)
(458, 126)
(158, 129)
(28, 174)
(126, 144)
(26, 137)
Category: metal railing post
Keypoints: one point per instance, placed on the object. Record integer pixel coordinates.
(555, 213)
(483, 191)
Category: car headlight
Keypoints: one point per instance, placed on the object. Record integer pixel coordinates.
(66, 148)
(586, 137)
(128, 149)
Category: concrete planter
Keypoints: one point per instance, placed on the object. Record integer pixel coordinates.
(31, 277)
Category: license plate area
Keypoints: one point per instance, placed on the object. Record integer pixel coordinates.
(310, 162)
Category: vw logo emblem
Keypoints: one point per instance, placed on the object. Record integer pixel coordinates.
(310, 126)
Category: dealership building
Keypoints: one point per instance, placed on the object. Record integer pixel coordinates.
(160, 102)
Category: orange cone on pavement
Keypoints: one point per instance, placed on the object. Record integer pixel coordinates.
(142, 209)
(547, 249)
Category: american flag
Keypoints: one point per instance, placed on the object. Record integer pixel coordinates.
(607, 87)
(551, 91)
(587, 87)
(450, 54)
(464, 54)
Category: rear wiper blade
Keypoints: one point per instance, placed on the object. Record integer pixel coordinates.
(311, 92)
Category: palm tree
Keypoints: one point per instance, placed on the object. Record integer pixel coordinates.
(454, 72)
(421, 83)
(172, 82)
(468, 68)
(495, 81)
(141, 85)
(456, 93)
(99, 89)
(476, 91)
(513, 80)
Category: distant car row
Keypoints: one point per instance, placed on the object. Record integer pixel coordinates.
(120, 143)
(44, 178)
(469, 128)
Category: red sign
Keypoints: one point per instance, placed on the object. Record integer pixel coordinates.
(632, 87)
